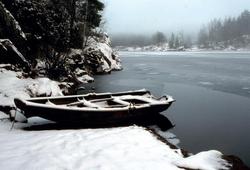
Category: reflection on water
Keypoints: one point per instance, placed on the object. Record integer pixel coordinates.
(168, 136)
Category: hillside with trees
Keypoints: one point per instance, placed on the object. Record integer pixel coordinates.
(156, 41)
(55, 38)
(232, 32)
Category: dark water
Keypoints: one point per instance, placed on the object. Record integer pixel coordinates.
(212, 92)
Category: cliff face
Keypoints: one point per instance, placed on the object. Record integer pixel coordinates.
(10, 27)
(12, 38)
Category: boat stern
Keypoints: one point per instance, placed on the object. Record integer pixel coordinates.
(20, 104)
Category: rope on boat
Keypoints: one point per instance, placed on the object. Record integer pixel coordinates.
(131, 108)
(13, 121)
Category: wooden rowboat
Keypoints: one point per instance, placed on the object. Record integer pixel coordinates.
(95, 107)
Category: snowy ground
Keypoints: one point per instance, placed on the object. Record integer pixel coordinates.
(96, 149)
(12, 85)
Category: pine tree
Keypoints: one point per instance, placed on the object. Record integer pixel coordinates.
(171, 42)
(203, 38)
(159, 38)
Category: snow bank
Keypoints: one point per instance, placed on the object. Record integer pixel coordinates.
(92, 149)
(3, 115)
(86, 79)
(194, 48)
(209, 160)
(12, 85)
(157, 48)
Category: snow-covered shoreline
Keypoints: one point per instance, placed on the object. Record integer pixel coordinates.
(165, 49)
(113, 148)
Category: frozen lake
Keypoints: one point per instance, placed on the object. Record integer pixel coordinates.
(212, 92)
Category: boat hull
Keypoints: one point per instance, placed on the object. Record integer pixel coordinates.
(36, 107)
(91, 117)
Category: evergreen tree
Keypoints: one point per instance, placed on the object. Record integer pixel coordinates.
(203, 38)
(159, 38)
(227, 32)
(176, 42)
(187, 42)
(244, 22)
(180, 40)
(171, 42)
(85, 16)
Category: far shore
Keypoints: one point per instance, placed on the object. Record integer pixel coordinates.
(160, 53)
(133, 49)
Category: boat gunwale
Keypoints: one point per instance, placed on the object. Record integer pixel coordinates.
(89, 94)
(95, 109)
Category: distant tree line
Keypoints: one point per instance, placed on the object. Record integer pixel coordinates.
(175, 40)
(230, 31)
(219, 33)
(178, 41)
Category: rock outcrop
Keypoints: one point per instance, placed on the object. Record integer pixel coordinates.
(12, 39)
(100, 55)
(10, 28)
(10, 54)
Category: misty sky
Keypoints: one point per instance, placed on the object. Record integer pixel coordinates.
(147, 16)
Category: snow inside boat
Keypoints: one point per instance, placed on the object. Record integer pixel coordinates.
(95, 107)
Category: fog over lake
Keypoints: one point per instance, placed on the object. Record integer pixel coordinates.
(147, 16)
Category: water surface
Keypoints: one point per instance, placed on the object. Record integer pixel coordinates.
(212, 90)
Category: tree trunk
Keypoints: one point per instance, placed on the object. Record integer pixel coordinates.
(72, 21)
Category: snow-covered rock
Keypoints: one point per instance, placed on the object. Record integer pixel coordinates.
(100, 48)
(13, 85)
(209, 160)
(85, 79)
(43, 87)
(76, 57)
